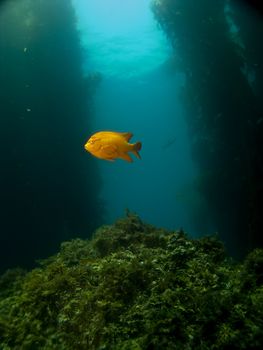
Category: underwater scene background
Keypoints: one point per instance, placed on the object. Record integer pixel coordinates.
(164, 252)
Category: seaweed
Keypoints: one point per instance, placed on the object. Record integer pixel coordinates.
(135, 286)
(222, 100)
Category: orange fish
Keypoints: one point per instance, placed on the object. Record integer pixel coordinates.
(110, 145)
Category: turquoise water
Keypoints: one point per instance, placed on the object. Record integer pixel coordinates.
(128, 263)
(121, 38)
(184, 78)
(125, 44)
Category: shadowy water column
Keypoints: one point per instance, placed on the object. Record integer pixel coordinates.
(221, 105)
(48, 185)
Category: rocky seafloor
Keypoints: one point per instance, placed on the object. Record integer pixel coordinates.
(135, 286)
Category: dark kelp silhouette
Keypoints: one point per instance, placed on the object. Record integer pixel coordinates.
(48, 186)
(223, 103)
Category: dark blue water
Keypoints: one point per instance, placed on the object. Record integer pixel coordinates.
(187, 82)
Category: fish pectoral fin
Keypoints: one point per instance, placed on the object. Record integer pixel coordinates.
(127, 157)
(127, 135)
(109, 150)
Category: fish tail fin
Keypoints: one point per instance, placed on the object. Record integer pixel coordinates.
(136, 148)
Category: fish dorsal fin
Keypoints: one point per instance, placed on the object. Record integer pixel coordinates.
(127, 135)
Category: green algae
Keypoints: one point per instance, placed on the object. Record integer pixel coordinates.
(134, 286)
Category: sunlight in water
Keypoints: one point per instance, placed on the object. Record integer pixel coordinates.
(121, 37)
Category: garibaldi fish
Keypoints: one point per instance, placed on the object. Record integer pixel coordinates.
(110, 145)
